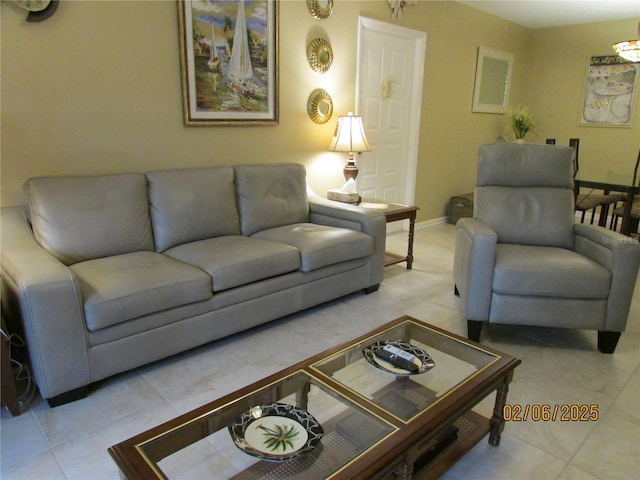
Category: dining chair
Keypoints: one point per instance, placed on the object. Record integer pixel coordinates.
(591, 201)
(635, 207)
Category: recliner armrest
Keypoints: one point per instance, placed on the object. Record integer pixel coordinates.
(40, 292)
(621, 256)
(474, 260)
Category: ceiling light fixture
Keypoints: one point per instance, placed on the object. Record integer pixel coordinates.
(629, 49)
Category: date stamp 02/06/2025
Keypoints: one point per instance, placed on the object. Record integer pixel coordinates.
(550, 413)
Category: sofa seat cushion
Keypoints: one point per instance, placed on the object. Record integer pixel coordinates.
(320, 245)
(235, 260)
(548, 271)
(120, 288)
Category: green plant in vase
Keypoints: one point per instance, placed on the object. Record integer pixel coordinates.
(279, 437)
(520, 121)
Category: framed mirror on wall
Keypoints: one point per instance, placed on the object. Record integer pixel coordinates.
(493, 78)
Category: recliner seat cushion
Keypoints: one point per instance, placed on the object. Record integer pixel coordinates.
(77, 218)
(233, 260)
(548, 272)
(270, 196)
(123, 287)
(193, 204)
(320, 245)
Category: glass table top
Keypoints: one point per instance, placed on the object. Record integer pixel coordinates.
(406, 396)
(207, 444)
(337, 414)
(608, 178)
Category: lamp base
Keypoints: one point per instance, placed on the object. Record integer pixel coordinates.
(350, 169)
(340, 196)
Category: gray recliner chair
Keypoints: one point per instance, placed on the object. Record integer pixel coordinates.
(522, 259)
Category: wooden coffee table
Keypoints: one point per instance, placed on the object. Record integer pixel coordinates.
(376, 424)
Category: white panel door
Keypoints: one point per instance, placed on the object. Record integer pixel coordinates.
(390, 73)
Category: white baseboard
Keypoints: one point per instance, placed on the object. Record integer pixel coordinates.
(431, 223)
(439, 221)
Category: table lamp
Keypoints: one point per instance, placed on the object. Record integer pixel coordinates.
(349, 137)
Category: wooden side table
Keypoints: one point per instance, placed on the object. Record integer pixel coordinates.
(394, 212)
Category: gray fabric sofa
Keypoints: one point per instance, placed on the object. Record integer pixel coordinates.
(107, 273)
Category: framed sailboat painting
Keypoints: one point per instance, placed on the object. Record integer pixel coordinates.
(229, 61)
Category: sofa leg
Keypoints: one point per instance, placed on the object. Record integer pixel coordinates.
(607, 341)
(371, 289)
(67, 397)
(474, 327)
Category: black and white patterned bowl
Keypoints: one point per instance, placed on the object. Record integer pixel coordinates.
(250, 431)
(423, 359)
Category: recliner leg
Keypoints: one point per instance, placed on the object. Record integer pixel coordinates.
(474, 327)
(607, 341)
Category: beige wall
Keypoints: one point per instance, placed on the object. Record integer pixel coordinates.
(558, 64)
(96, 89)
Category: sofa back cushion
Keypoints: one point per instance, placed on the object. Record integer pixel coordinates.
(271, 195)
(77, 218)
(192, 204)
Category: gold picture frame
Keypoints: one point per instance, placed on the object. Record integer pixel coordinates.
(229, 62)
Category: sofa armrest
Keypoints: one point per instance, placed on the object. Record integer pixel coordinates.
(621, 256)
(344, 215)
(40, 293)
(473, 264)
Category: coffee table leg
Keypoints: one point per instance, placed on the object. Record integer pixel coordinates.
(302, 396)
(497, 421)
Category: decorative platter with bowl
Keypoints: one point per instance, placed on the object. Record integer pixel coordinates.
(276, 432)
(391, 356)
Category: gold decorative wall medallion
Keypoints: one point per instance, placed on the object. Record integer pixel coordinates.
(320, 55)
(320, 106)
(320, 9)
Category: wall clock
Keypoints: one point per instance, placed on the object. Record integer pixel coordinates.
(39, 10)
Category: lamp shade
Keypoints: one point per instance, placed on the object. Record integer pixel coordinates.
(349, 135)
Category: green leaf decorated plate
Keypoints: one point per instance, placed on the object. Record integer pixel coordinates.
(276, 432)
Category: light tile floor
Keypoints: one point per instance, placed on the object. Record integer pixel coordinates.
(558, 367)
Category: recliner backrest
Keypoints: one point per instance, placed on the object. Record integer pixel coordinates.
(525, 193)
